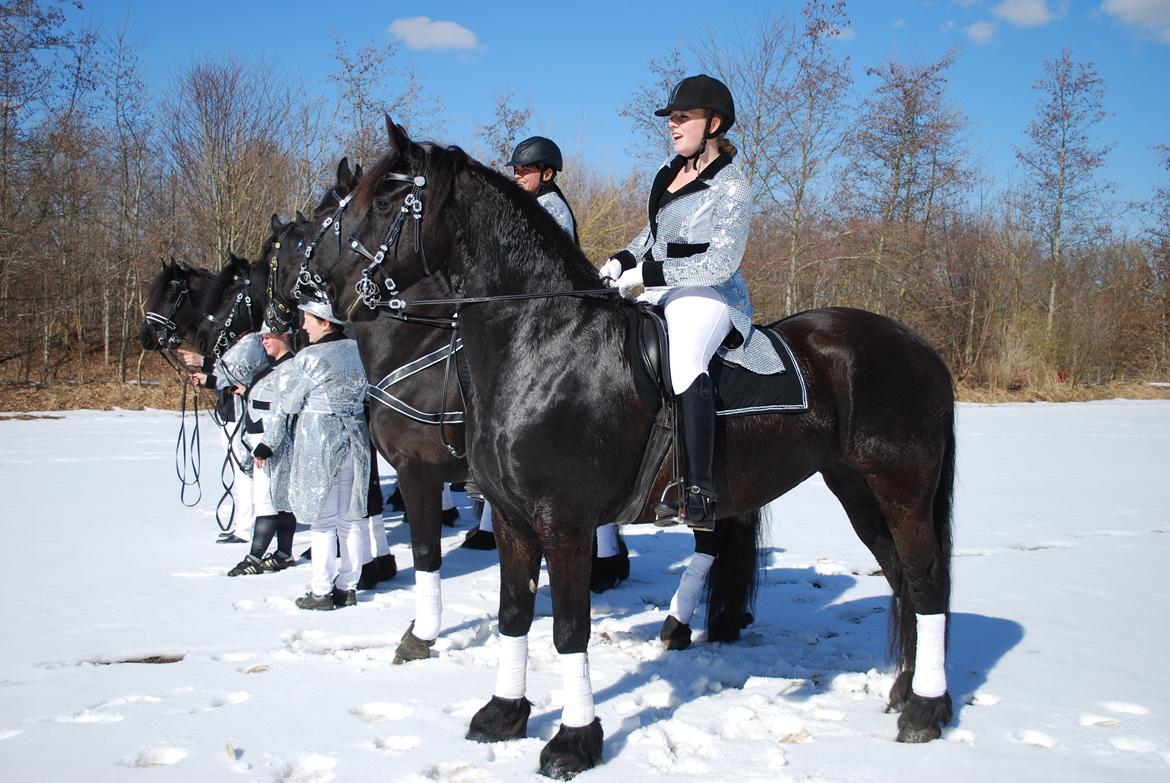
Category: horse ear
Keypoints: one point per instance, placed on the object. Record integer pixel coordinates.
(277, 226)
(398, 141)
(344, 176)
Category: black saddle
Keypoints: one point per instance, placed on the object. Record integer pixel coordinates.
(739, 392)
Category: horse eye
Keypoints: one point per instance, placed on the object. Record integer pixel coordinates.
(382, 204)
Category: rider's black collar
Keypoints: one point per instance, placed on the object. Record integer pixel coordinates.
(660, 196)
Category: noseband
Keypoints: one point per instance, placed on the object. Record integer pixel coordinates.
(165, 328)
(366, 288)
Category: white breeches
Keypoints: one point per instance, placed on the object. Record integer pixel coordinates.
(334, 526)
(698, 320)
(262, 505)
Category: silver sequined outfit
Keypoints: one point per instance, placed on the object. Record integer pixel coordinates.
(263, 414)
(325, 386)
(237, 366)
(556, 206)
(717, 212)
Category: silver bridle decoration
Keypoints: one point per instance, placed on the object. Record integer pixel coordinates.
(369, 291)
(305, 277)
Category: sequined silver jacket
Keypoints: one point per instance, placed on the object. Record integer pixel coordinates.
(237, 366)
(696, 237)
(325, 387)
(264, 414)
(556, 206)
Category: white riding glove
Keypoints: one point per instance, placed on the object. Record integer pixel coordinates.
(610, 271)
(630, 284)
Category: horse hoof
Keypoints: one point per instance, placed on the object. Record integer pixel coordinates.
(450, 517)
(900, 692)
(675, 635)
(387, 567)
(922, 719)
(412, 648)
(572, 751)
(500, 719)
(395, 500)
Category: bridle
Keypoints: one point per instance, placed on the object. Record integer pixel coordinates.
(227, 336)
(412, 205)
(165, 329)
(306, 277)
(277, 313)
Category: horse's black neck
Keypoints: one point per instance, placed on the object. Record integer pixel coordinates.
(524, 251)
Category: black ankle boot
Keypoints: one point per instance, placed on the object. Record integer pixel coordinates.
(697, 411)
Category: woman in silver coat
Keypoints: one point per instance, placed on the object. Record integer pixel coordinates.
(687, 261)
(270, 478)
(330, 476)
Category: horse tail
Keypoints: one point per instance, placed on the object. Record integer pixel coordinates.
(904, 625)
(732, 583)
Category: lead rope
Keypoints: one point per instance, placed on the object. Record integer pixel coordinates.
(188, 458)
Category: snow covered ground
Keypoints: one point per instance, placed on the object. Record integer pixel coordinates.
(1061, 616)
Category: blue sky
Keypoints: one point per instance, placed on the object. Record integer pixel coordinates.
(577, 64)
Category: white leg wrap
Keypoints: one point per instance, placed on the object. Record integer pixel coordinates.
(578, 710)
(686, 598)
(485, 520)
(447, 501)
(378, 544)
(607, 540)
(511, 676)
(428, 605)
(930, 677)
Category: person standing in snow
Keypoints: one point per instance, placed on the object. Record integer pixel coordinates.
(329, 482)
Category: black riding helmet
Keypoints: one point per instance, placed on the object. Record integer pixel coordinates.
(701, 92)
(537, 151)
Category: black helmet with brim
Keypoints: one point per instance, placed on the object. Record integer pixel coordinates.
(701, 92)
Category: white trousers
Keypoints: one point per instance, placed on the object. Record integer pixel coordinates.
(334, 526)
(261, 481)
(698, 321)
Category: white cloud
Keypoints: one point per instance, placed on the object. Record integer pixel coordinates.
(1150, 16)
(980, 32)
(898, 24)
(950, 25)
(1025, 13)
(846, 34)
(420, 32)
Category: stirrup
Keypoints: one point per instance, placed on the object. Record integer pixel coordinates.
(705, 499)
(668, 513)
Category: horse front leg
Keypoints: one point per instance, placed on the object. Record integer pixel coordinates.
(422, 489)
(578, 743)
(506, 715)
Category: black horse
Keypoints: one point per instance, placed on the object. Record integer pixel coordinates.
(556, 428)
(172, 307)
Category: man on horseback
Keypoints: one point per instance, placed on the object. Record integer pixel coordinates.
(687, 261)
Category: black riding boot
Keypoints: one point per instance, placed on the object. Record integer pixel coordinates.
(697, 410)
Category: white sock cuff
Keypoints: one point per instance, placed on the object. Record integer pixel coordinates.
(485, 519)
(930, 677)
(447, 501)
(578, 709)
(428, 605)
(512, 673)
(607, 540)
(690, 587)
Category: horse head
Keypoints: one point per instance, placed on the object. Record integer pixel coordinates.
(232, 305)
(172, 313)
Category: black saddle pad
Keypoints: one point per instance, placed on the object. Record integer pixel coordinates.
(740, 392)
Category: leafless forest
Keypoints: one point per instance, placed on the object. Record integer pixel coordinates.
(868, 194)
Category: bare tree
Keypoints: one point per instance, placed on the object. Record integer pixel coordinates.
(653, 144)
(501, 134)
(1062, 159)
(371, 86)
(224, 132)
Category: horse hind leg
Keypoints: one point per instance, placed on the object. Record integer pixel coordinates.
(914, 553)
